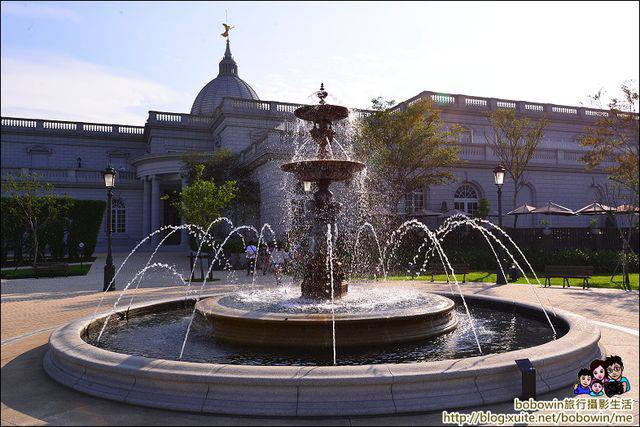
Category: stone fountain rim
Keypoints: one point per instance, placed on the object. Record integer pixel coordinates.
(317, 390)
(239, 314)
(78, 327)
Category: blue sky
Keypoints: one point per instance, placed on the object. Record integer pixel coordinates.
(112, 62)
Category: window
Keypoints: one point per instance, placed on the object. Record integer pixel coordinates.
(119, 163)
(466, 136)
(119, 160)
(39, 156)
(466, 199)
(118, 216)
(415, 202)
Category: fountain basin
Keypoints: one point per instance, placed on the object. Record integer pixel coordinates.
(309, 330)
(318, 390)
(323, 169)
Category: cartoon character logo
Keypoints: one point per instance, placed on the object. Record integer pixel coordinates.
(596, 388)
(617, 384)
(603, 377)
(584, 382)
(598, 371)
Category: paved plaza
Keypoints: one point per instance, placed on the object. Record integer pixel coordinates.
(31, 309)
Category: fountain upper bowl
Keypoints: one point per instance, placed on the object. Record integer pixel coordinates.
(323, 169)
(321, 113)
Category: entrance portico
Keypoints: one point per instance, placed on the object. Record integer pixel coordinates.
(161, 174)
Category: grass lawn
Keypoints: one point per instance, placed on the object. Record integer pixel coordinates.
(602, 281)
(27, 273)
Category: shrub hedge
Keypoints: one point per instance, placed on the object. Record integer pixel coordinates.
(81, 224)
(85, 230)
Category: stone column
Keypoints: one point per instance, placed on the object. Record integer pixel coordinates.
(184, 233)
(145, 206)
(155, 208)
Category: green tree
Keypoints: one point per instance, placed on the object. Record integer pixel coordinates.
(34, 204)
(613, 139)
(483, 209)
(202, 201)
(223, 166)
(514, 140)
(407, 148)
(612, 143)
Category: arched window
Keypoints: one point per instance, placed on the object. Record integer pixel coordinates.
(465, 199)
(118, 216)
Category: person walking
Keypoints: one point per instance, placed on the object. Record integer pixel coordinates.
(251, 252)
(278, 259)
(267, 259)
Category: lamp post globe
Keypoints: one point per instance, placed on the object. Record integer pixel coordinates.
(498, 179)
(498, 175)
(109, 175)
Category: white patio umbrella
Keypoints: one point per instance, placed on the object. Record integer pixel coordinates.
(627, 209)
(553, 209)
(595, 208)
(522, 210)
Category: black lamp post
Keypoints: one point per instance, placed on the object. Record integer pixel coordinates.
(109, 269)
(498, 176)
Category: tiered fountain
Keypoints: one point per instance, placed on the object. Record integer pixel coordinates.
(324, 170)
(323, 274)
(408, 349)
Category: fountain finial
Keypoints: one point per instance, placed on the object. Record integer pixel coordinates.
(322, 94)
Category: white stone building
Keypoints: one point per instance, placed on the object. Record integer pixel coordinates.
(228, 113)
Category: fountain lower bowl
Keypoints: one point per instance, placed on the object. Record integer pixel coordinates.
(294, 390)
(314, 330)
(323, 169)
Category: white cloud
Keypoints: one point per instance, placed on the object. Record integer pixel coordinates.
(64, 88)
(39, 10)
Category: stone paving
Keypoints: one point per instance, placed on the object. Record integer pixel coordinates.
(31, 309)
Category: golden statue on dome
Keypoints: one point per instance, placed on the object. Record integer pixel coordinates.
(225, 34)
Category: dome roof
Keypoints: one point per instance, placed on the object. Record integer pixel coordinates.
(226, 84)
